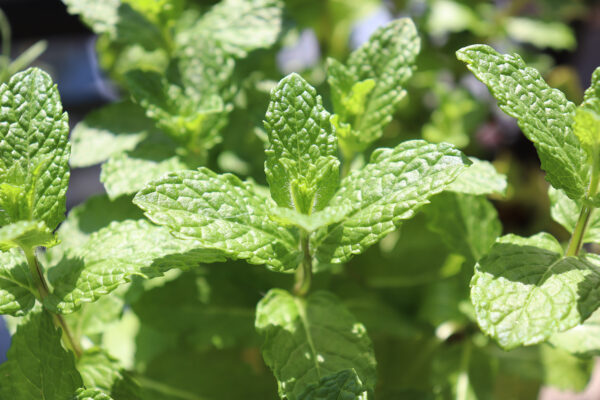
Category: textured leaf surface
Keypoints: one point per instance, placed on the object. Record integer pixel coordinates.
(543, 113)
(302, 166)
(240, 26)
(524, 290)
(38, 367)
(17, 295)
(566, 211)
(341, 385)
(101, 16)
(26, 234)
(34, 149)
(222, 213)
(310, 223)
(100, 370)
(113, 255)
(386, 191)
(91, 394)
(309, 339)
(387, 58)
(479, 178)
(468, 224)
(128, 172)
(108, 131)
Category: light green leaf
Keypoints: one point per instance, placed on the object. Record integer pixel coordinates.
(566, 211)
(113, 255)
(108, 131)
(309, 223)
(187, 115)
(128, 172)
(543, 113)
(101, 16)
(387, 59)
(34, 149)
(240, 26)
(591, 97)
(479, 178)
(587, 130)
(542, 34)
(524, 290)
(468, 224)
(100, 370)
(564, 371)
(17, 295)
(309, 339)
(91, 394)
(388, 190)
(92, 319)
(582, 340)
(340, 385)
(38, 367)
(302, 166)
(27, 235)
(222, 213)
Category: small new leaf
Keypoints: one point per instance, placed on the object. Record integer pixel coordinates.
(388, 190)
(544, 114)
(307, 340)
(220, 212)
(302, 166)
(34, 149)
(27, 235)
(524, 290)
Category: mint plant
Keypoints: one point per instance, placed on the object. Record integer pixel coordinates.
(526, 290)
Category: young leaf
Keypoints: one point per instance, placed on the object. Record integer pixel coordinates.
(37, 365)
(479, 178)
(91, 394)
(17, 295)
(100, 16)
(27, 235)
(308, 340)
(240, 26)
(524, 290)
(543, 113)
(468, 224)
(34, 149)
(341, 385)
(112, 256)
(388, 190)
(302, 166)
(387, 61)
(108, 131)
(220, 212)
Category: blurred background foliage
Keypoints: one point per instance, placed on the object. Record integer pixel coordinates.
(190, 335)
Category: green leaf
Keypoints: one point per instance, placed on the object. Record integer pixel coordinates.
(564, 371)
(566, 211)
(387, 59)
(34, 149)
(341, 385)
(309, 223)
(108, 131)
(17, 295)
(468, 224)
(187, 115)
(100, 16)
(591, 97)
(100, 370)
(128, 172)
(302, 166)
(112, 256)
(309, 339)
(524, 290)
(38, 367)
(543, 113)
(220, 212)
(555, 35)
(91, 394)
(240, 26)
(587, 130)
(479, 178)
(388, 190)
(27, 235)
(582, 340)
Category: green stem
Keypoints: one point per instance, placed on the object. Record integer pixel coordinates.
(42, 288)
(584, 217)
(304, 271)
(462, 383)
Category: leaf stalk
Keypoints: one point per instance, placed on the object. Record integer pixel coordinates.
(576, 241)
(304, 270)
